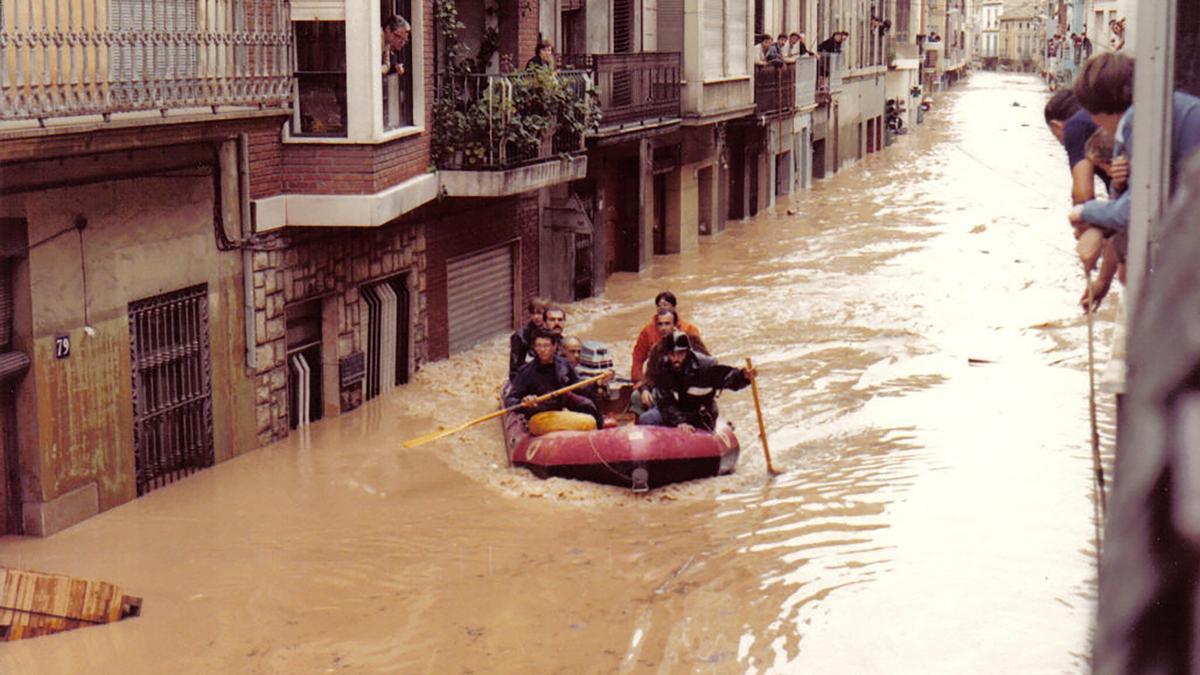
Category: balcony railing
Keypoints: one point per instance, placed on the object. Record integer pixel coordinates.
(496, 122)
(774, 88)
(63, 58)
(830, 70)
(633, 88)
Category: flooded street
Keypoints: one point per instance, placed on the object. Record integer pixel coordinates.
(933, 515)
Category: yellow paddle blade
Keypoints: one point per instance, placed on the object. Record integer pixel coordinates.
(433, 436)
(421, 440)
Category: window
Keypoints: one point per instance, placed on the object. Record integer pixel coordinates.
(320, 79)
(900, 26)
(397, 87)
(725, 25)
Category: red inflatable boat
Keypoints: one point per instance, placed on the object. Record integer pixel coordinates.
(632, 456)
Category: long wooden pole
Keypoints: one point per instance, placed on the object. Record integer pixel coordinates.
(420, 440)
(1097, 464)
(762, 428)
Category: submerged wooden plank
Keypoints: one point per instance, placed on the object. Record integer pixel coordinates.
(36, 603)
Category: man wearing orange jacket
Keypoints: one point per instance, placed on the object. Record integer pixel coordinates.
(650, 335)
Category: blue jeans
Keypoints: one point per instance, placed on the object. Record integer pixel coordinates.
(652, 417)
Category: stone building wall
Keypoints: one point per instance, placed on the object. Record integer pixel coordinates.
(334, 266)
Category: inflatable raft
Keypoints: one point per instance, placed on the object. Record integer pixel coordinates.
(632, 456)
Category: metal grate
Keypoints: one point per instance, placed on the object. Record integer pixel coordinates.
(172, 397)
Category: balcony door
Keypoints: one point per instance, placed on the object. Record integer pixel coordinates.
(623, 43)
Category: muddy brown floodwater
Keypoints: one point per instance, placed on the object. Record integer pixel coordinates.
(933, 516)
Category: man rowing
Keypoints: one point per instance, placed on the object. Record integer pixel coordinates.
(686, 386)
(546, 373)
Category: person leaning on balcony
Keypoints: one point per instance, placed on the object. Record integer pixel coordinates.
(396, 31)
(1073, 126)
(796, 46)
(1104, 88)
(833, 45)
(768, 51)
(543, 56)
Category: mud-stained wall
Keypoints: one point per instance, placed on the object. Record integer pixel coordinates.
(143, 237)
(861, 100)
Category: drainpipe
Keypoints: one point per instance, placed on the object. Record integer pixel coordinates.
(243, 176)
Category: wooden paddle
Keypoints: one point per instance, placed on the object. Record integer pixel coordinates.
(420, 440)
(762, 428)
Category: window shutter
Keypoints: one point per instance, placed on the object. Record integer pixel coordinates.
(623, 41)
(737, 39)
(670, 25)
(714, 38)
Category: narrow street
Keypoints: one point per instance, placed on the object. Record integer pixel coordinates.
(922, 357)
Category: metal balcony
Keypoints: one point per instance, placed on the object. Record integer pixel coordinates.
(634, 89)
(774, 89)
(63, 59)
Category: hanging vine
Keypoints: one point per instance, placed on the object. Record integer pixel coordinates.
(475, 126)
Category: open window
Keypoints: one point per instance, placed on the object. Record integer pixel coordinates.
(320, 105)
(356, 77)
(397, 67)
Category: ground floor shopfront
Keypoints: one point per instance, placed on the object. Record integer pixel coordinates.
(143, 338)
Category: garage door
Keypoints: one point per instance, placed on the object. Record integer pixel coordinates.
(479, 297)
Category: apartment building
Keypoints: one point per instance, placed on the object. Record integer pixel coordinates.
(124, 244)
(1022, 37)
(225, 219)
(989, 32)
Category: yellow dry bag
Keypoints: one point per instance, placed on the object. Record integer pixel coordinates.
(560, 420)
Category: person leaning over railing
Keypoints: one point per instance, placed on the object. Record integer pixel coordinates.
(1104, 88)
(796, 47)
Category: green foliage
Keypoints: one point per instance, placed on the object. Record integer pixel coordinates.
(544, 108)
(474, 128)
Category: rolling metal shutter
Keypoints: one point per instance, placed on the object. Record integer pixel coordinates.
(479, 297)
(670, 25)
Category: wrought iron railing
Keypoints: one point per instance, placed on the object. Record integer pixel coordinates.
(774, 88)
(634, 88)
(61, 58)
(494, 121)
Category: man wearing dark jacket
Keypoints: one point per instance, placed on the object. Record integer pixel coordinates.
(833, 45)
(543, 375)
(520, 345)
(686, 389)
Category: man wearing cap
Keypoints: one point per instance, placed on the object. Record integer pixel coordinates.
(686, 387)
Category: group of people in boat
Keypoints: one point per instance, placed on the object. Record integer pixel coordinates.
(674, 380)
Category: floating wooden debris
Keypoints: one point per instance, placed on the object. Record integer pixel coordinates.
(35, 603)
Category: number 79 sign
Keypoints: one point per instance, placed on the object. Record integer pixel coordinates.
(62, 346)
